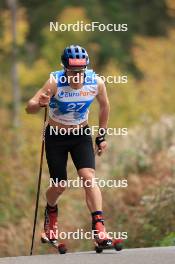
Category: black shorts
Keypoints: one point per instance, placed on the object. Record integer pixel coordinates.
(58, 146)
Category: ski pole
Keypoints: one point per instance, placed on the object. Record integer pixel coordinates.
(39, 180)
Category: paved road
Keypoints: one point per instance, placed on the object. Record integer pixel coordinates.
(161, 255)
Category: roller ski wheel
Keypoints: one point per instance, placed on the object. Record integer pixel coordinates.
(118, 244)
(61, 247)
(98, 249)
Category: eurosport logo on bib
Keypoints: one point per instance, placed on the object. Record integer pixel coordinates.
(62, 94)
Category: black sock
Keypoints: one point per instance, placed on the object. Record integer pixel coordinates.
(94, 218)
(52, 208)
(96, 213)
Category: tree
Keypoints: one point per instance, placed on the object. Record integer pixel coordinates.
(12, 4)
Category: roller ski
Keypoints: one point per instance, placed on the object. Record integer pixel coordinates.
(54, 242)
(108, 244)
(50, 234)
(101, 239)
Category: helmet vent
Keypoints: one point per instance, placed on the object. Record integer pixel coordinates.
(77, 56)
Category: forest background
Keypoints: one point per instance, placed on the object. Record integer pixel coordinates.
(145, 53)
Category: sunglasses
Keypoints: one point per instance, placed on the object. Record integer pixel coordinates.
(76, 70)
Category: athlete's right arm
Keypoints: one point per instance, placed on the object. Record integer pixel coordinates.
(41, 98)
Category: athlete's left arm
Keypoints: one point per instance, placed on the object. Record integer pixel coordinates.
(103, 101)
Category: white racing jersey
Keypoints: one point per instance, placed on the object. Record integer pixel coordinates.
(71, 106)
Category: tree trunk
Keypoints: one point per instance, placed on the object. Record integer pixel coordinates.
(14, 71)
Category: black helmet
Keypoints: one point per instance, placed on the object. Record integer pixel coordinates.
(74, 56)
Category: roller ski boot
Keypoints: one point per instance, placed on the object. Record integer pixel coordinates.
(101, 239)
(50, 234)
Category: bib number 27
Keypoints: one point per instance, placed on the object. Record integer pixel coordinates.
(75, 106)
